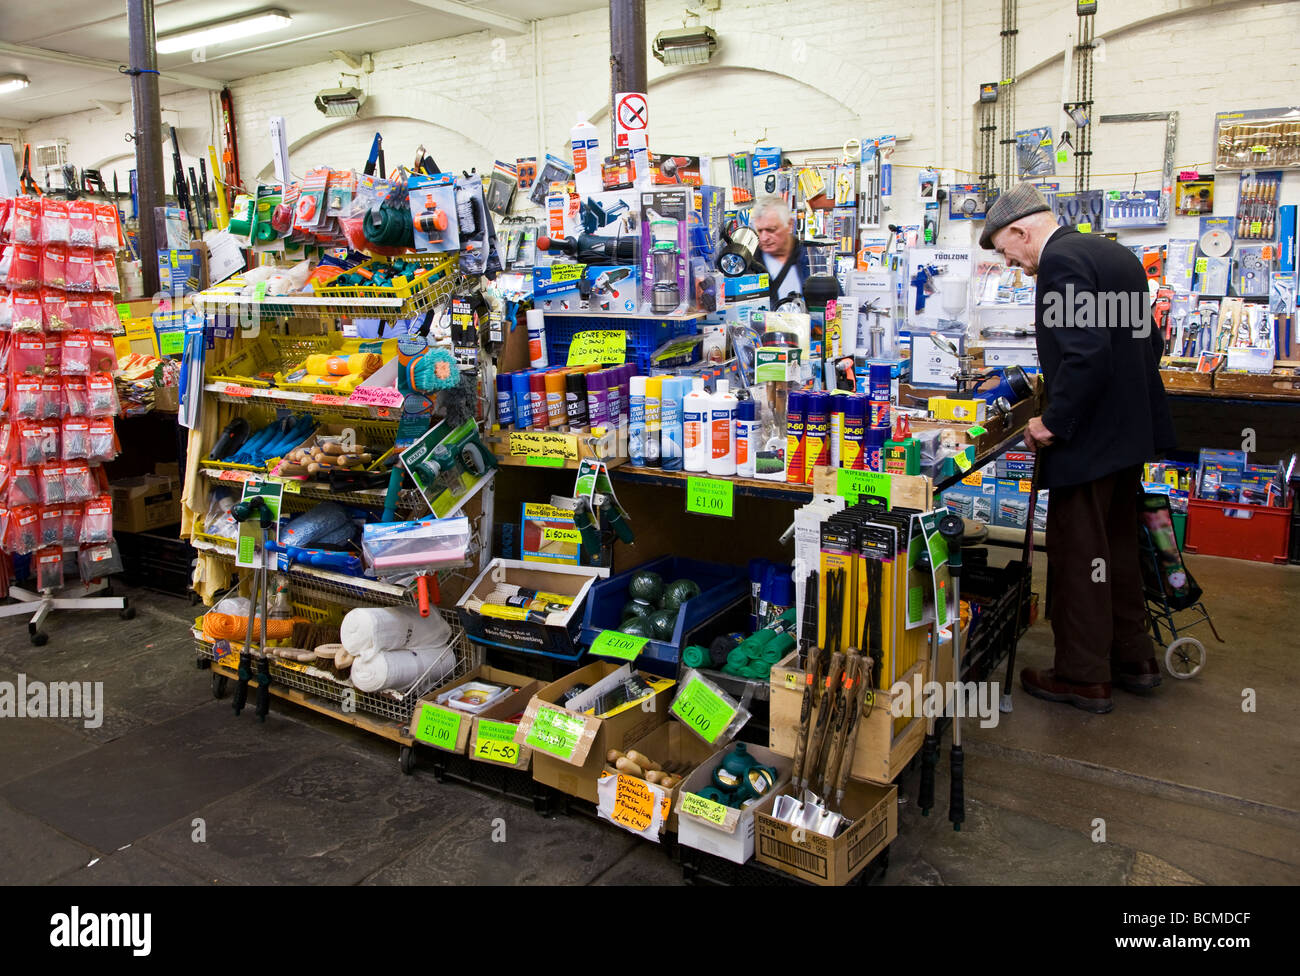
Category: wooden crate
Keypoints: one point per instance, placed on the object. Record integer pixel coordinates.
(1187, 380)
(1282, 382)
(885, 744)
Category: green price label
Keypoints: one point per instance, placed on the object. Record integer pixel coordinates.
(1256, 226)
(625, 647)
(1202, 265)
(247, 547)
(1084, 228)
(171, 343)
(555, 732)
(495, 741)
(915, 602)
(544, 462)
(851, 485)
(259, 291)
(700, 807)
(123, 312)
(710, 496)
(704, 710)
(962, 462)
(438, 727)
(1062, 155)
(977, 431)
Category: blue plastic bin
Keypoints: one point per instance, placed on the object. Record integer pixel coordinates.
(721, 588)
(644, 335)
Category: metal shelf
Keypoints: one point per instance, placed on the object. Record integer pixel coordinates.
(777, 490)
(331, 306)
(597, 314)
(408, 500)
(329, 585)
(314, 403)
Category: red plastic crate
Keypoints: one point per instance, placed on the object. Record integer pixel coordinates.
(1255, 532)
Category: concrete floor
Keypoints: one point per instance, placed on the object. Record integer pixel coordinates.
(1191, 788)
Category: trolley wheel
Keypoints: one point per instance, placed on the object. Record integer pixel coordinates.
(127, 613)
(39, 638)
(219, 684)
(1185, 657)
(406, 760)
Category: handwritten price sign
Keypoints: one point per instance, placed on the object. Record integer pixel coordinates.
(703, 711)
(495, 742)
(601, 346)
(437, 727)
(706, 809)
(625, 647)
(710, 496)
(851, 485)
(555, 733)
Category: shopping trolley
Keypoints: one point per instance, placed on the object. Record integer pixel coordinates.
(1169, 589)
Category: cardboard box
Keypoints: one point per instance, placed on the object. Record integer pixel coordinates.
(147, 502)
(453, 730)
(885, 745)
(559, 639)
(715, 829)
(826, 860)
(574, 766)
(672, 745)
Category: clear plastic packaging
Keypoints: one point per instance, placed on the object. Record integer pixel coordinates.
(97, 520)
(102, 440)
(6, 262)
(54, 266)
(55, 227)
(28, 316)
(106, 272)
(101, 396)
(27, 221)
(75, 358)
(6, 312)
(76, 396)
(51, 398)
(6, 231)
(107, 236)
(28, 400)
(399, 551)
(76, 438)
(78, 482)
(54, 310)
(79, 311)
(103, 354)
(50, 479)
(50, 439)
(24, 529)
(53, 353)
(79, 273)
(103, 313)
(5, 470)
(71, 525)
(4, 527)
(95, 562)
(31, 442)
(693, 689)
(49, 568)
(50, 525)
(81, 224)
(25, 266)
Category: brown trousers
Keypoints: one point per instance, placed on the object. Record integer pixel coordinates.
(1098, 613)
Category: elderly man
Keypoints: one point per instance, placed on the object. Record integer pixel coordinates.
(1106, 416)
(780, 252)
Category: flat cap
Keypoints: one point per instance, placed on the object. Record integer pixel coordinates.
(1020, 201)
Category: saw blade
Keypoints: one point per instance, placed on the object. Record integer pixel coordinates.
(1216, 243)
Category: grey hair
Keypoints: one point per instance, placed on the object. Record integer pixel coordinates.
(771, 204)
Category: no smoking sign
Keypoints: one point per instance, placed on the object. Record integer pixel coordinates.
(631, 114)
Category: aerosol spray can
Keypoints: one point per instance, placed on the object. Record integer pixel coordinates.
(636, 421)
(816, 427)
(654, 388)
(536, 338)
(795, 412)
(575, 400)
(556, 412)
(505, 401)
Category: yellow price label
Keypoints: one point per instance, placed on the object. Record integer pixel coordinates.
(539, 444)
(495, 742)
(1202, 265)
(598, 346)
(562, 535)
(975, 480)
(706, 809)
(1256, 226)
(1084, 228)
(1026, 486)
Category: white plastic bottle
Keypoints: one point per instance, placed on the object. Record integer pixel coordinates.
(695, 427)
(722, 431)
(585, 143)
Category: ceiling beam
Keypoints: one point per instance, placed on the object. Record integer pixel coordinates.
(488, 18)
(99, 64)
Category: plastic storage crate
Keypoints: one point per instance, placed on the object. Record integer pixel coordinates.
(721, 588)
(644, 335)
(1256, 532)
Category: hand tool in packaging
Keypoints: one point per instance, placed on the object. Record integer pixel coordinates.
(243, 511)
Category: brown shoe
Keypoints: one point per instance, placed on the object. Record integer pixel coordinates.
(1136, 677)
(1049, 687)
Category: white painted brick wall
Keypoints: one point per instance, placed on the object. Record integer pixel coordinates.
(804, 76)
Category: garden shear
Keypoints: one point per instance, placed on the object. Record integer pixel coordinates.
(25, 179)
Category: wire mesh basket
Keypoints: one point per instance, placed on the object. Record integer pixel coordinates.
(395, 705)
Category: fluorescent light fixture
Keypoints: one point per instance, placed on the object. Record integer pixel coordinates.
(13, 83)
(690, 45)
(221, 31)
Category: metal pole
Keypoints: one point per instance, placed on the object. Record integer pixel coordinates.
(627, 51)
(148, 133)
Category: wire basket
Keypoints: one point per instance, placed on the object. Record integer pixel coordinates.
(294, 359)
(392, 704)
(644, 335)
(258, 361)
(440, 267)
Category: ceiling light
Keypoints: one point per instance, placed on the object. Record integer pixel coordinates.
(224, 30)
(340, 103)
(689, 45)
(13, 83)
